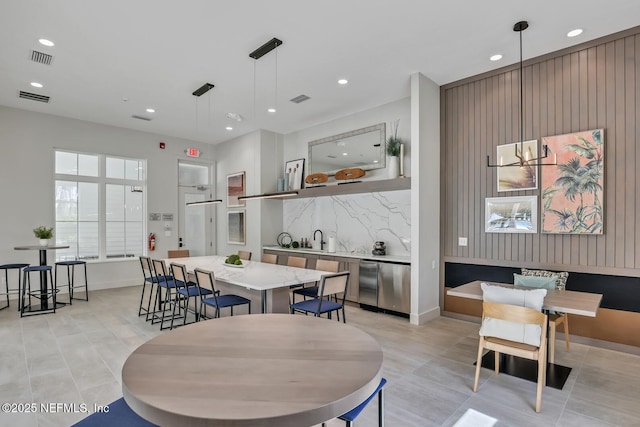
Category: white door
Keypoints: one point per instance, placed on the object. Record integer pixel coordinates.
(195, 223)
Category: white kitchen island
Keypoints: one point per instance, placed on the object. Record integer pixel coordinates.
(258, 281)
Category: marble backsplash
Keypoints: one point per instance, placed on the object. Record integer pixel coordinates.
(356, 220)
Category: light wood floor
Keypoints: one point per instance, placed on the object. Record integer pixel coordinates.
(76, 356)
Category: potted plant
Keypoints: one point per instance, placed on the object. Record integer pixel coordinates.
(394, 150)
(44, 234)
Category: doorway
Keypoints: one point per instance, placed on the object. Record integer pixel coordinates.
(195, 223)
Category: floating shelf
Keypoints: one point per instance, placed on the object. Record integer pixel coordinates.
(355, 188)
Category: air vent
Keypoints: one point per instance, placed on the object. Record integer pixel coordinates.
(146, 119)
(41, 58)
(300, 98)
(33, 97)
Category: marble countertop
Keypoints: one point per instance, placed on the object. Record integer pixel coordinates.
(405, 259)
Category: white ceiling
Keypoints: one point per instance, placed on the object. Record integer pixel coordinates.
(156, 53)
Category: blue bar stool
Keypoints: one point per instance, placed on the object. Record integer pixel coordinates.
(6, 268)
(71, 273)
(42, 294)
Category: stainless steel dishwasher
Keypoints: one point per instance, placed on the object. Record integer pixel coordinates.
(368, 284)
(385, 286)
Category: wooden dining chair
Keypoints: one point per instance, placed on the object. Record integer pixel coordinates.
(331, 285)
(245, 255)
(162, 305)
(312, 290)
(297, 261)
(350, 417)
(270, 258)
(206, 279)
(185, 290)
(178, 253)
(501, 338)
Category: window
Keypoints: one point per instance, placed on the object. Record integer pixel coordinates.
(100, 206)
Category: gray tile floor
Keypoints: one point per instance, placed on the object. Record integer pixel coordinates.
(76, 355)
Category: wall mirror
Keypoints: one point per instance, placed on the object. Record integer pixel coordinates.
(361, 148)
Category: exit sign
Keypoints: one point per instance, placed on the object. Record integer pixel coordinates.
(193, 152)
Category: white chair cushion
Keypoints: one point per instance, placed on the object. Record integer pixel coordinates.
(512, 331)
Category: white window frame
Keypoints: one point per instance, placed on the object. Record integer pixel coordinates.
(102, 182)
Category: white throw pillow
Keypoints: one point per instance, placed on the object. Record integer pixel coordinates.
(512, 331)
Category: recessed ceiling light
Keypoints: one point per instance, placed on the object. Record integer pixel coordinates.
(150, 110)
(574, 33)
(229, 128)
(375, 161)
(46, 42)
(36, 84)
(345, 154)
(496, 57)
(343, 81)
(271, 110)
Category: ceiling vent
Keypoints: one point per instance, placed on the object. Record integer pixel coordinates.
(33, 97)
(300, 98)
(41, 58)
(146, 119)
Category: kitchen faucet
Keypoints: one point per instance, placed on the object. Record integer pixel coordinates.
(321, 239)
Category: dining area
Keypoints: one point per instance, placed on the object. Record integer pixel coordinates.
(429, 368)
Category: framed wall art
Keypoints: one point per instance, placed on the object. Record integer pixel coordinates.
(516, 178)
(236, 227)
(511, 214)
(294, 171)
(235, 189)
(573, 190)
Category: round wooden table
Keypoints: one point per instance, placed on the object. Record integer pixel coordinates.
(252, 370)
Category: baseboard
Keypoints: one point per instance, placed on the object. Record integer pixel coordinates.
(427, 316)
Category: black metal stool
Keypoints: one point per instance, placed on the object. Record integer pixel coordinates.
(6, 268)
(71, 270)
(43, 293)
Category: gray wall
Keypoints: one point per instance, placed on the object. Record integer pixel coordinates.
(595, 85)
(27, 142)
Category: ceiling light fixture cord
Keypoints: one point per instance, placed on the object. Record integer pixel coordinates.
(276, 81)
(520, 155)
(255, 119)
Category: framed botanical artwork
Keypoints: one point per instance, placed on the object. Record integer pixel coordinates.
(573, 189)
(512, 177)
(511, 214)
(294, 171)
(235, 189)
(236, 227)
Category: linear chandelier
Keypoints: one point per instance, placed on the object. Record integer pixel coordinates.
(523, 158)
(204, 202)
(277, 195)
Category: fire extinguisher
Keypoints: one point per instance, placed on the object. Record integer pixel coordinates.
(152, 242)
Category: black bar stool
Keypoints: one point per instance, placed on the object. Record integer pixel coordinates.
(71, 272)
(6, 268)
(42, 294)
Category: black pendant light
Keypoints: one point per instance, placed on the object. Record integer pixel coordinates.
(523, 160)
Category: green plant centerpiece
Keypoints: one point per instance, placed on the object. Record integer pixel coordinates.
(233, 259)
(43, 232)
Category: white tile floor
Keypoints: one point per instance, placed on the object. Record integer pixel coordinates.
(76, 355)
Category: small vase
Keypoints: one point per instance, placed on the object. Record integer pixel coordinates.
(44, 242)
(393, 167)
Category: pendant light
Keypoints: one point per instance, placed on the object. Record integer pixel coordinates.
(257, 54)
(523, 158)
(198, 93)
